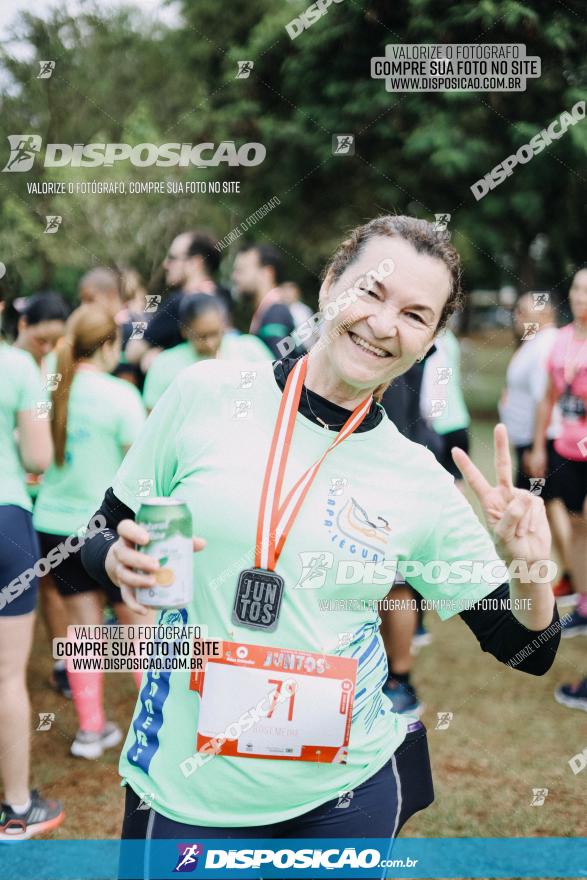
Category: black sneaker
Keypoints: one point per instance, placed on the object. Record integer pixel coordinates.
(572, 695)
(42, 816)
(404, 699)
(60, 683)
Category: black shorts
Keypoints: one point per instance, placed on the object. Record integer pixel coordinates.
(459, 438)
(377, 808)
(19, 550)
(550, 489)
(70, 576)
(569, 481)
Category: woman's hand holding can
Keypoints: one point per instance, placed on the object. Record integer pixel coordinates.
(132, 570)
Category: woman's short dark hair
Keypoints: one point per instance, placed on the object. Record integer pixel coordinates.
(193, 305)
(424, 237)
(45, 306)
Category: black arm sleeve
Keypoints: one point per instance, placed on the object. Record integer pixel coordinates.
(94, 550)
(501, 634)
(496, 629)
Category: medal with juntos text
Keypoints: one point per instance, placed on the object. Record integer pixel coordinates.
(259, 593)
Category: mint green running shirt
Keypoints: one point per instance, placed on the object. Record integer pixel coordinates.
(105, 415)
(447, 356)
(376, 496)
(20, 391)
(169, 363)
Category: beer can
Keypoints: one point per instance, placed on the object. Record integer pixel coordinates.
(169, 524)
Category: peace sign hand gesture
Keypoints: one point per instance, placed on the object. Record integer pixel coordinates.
(516, 517)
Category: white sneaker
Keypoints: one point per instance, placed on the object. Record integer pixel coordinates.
(91, 745)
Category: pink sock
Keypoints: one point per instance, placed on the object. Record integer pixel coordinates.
(138, 677)
(86, 689)
(582, 604)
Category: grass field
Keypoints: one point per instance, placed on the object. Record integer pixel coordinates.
(507, 735)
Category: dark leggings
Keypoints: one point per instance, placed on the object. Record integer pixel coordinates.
(377, 809)
(19, 551)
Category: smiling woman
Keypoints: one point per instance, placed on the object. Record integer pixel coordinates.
(256, 478)
(398, 316)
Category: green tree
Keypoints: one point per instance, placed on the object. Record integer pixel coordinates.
(416, 153)
(119, 79)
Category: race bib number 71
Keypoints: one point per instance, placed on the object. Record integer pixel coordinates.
(267, 702)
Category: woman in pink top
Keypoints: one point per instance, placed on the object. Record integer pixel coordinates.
(567, 385)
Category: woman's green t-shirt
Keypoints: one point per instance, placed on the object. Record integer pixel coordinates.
(169, 363)
(20, 391)
(377, 497)
(105, 415)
